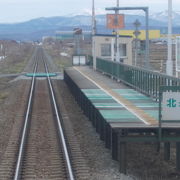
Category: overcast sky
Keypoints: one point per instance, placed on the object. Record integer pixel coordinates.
(22, 10)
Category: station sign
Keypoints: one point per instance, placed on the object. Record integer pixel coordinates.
(170, 106)
(115, 21)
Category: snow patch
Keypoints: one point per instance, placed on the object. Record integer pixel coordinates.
(64, 54)
(2, 58)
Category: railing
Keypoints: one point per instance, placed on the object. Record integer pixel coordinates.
(145, 81)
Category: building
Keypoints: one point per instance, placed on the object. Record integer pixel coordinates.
(105, 47)
(153, 34)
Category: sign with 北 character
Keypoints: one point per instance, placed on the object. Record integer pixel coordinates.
(115, 21)
(170, 106)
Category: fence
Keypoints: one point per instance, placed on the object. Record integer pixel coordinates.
(146, 81)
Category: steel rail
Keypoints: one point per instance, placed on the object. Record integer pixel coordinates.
(24, 133)
(62, 137)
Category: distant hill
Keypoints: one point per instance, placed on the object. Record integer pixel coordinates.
(37, 28)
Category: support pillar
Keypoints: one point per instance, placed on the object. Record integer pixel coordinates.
(98, 123)
(178, 156)
(114, 145)
(167, 151)
(102, 130)
(158, 147)
(108, 137)
(122, 157)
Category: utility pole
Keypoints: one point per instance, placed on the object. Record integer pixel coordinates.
(93, 19)
(169, 63)
(117, 36)
(93, 34)
(137, 24)
(147, 60)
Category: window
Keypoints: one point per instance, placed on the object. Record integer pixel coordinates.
(122, 49)
(105, 49)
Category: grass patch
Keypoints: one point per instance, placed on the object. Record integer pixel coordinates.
(3, 95)
(17, 68)
(15, 63)
(63, 62)
(60, 61)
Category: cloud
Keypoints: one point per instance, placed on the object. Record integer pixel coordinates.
(98, 11)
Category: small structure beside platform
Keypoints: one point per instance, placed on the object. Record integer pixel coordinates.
(105, 43)
(79, 60)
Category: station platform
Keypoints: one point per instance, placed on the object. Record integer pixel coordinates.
(120, 105)
(134, 107)
(119, 113)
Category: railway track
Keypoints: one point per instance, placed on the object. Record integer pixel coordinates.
(43, 151)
